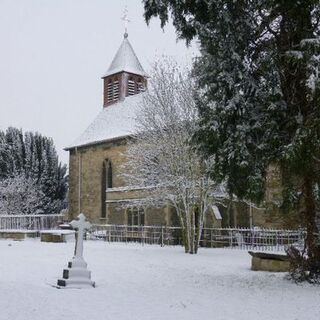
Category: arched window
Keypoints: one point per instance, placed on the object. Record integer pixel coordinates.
(135, 216)
(109, 175)
(106, 182)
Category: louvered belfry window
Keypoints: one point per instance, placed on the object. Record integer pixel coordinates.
(141, 86)
(113, 90)
(116, 90)
(110, 91)
(131, 87)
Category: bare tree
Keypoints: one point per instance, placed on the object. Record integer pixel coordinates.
(161, 158)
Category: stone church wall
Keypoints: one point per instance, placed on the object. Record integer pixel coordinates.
(86, 165)
(85, 170)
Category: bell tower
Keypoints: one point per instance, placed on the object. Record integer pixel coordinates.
(125, 76)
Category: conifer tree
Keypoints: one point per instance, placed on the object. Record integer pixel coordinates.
(20, 195)
(258, 95)
(33, 157)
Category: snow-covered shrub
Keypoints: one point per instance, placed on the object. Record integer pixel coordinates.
(20, 195)
(34, 156)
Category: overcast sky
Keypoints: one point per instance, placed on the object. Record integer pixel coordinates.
(53, 53)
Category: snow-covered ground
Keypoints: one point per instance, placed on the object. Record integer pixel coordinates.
(146, 283)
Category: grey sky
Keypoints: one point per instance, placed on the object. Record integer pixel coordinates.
(53, 53)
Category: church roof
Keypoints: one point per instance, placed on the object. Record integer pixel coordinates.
(114, 122)
(125, 60)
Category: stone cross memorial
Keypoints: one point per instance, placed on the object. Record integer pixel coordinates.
(77, 275)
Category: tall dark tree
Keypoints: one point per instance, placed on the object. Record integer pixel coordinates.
(34, 157)
(259, 94)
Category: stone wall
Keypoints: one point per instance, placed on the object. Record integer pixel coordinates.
(85, 170)
(85, 183)
(272, 216)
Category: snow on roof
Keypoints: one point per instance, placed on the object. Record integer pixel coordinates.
(125, 60)
(114, 121)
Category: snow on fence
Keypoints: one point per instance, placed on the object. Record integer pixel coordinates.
(237, 238)
(30, 222)
(253, 239)
(142, 234)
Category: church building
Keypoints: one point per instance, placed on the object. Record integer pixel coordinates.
(95, 186)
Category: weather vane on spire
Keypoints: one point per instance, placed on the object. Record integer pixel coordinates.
(126, 21)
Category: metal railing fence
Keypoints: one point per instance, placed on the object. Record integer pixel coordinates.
(237, 238)
(252, 239)
(142, 234)
(30, 222)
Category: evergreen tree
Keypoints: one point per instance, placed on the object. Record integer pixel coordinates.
(20, 195)
(259, 95)
(5, 156)
(33, 157)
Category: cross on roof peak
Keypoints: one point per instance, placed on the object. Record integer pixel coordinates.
(126, 20)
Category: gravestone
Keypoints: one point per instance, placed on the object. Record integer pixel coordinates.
(77, 275)
(56, 235)
(264, 261)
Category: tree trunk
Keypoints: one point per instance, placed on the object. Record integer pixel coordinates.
(192, 232)
(184, 233)
(313, 248)
(295, 26)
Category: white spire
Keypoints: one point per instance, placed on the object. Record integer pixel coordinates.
(125, 60)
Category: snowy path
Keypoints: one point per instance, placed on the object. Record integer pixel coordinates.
(146, 283)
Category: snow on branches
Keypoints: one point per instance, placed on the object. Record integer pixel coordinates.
(30, 159)
(20, 195)
(161, 158)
